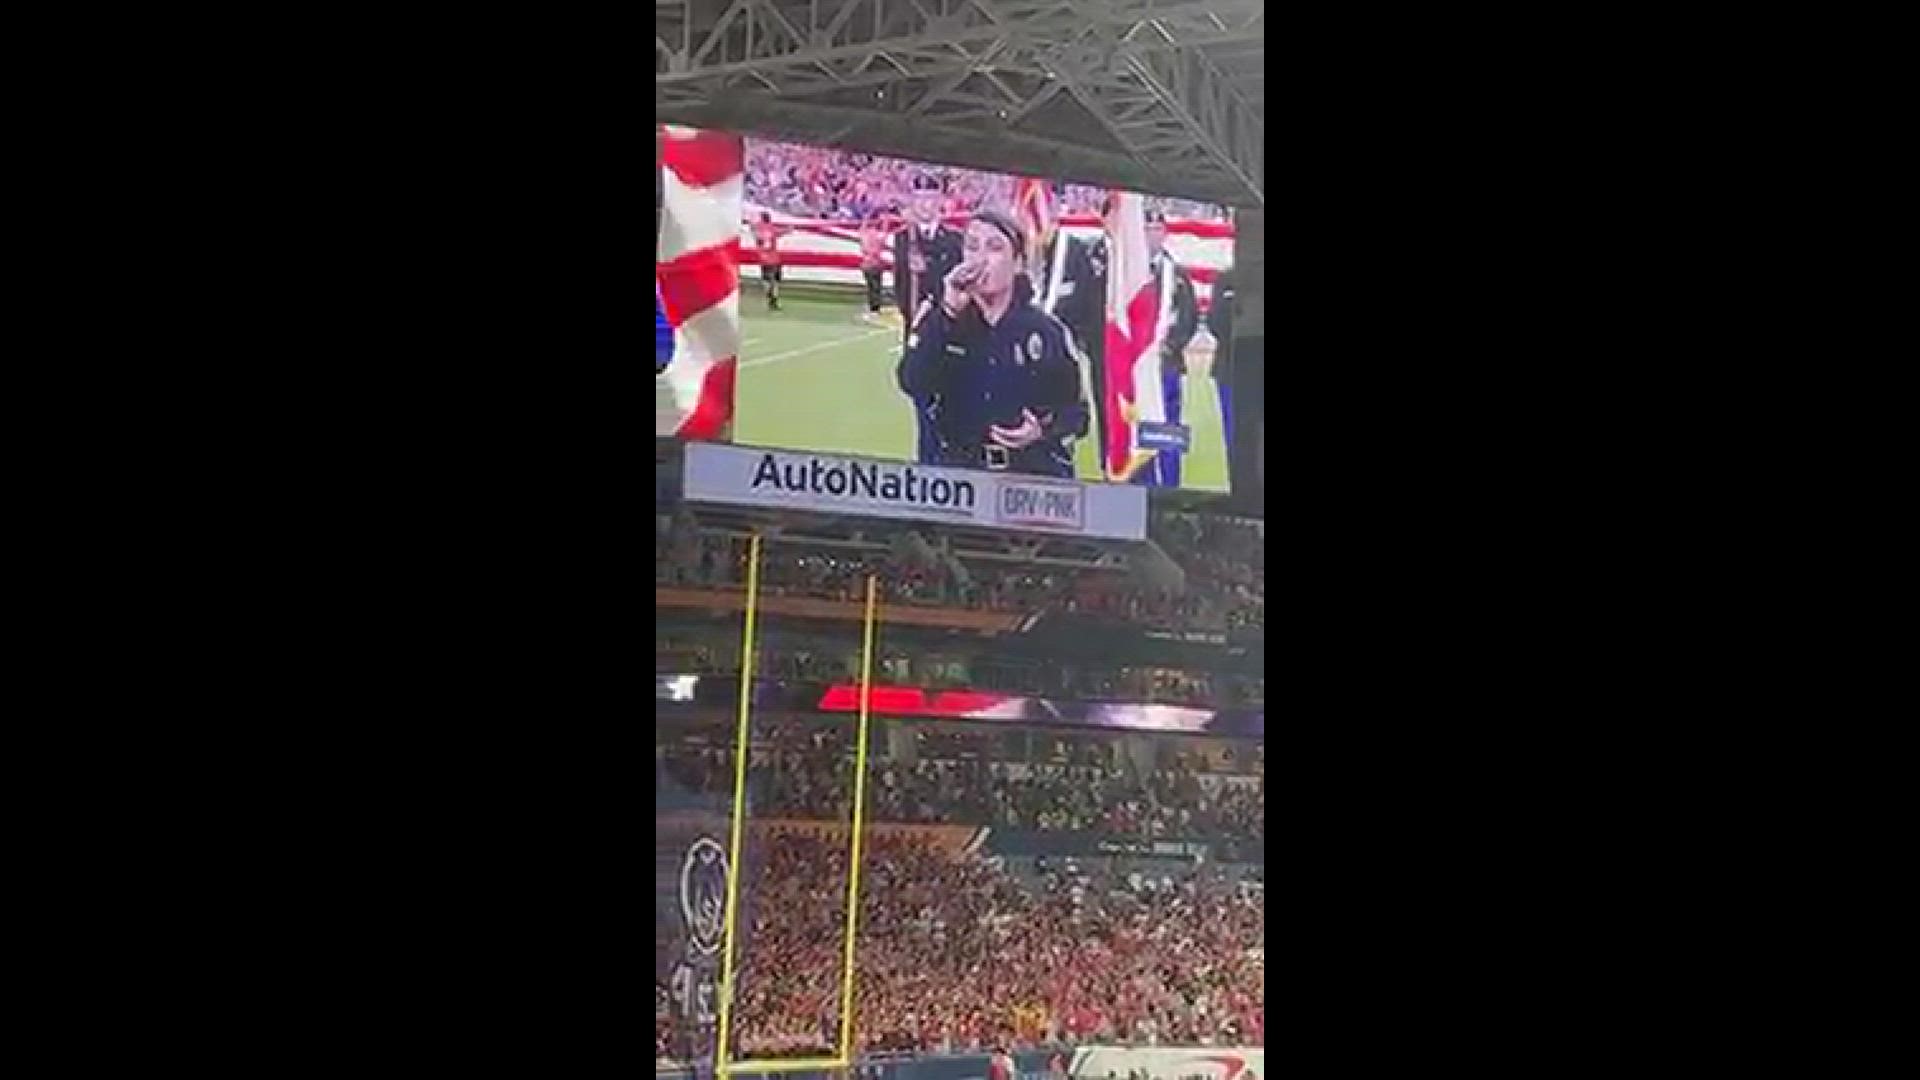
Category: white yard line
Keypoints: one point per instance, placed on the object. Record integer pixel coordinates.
(816, 347)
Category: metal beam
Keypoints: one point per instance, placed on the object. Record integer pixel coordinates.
(1173, 121)
(915, 27)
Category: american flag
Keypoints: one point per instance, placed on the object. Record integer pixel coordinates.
(697, 278)
(1136, 321)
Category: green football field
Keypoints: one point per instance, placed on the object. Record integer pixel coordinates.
(814, 376)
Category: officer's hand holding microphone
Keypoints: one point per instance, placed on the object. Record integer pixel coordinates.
(956, 298)
(959, 288)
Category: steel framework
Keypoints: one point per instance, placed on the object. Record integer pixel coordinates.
(1161, 96)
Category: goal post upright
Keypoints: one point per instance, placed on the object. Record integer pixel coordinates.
(724, 1067)
(739, 804)
(859, 822)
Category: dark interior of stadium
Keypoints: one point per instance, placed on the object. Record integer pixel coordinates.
(1063, 766)
(957, 738)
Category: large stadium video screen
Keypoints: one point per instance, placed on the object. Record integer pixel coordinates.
(836, 301)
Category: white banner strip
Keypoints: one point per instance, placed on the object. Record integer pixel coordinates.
(795, 480)
(1193, 1063)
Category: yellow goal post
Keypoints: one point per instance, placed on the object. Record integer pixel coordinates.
(723, 1065)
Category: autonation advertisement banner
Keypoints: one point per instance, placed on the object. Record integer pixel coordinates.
(787, 480)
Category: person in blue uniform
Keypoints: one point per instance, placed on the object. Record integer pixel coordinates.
(662, 329)
(1008, 385)
(662, 334)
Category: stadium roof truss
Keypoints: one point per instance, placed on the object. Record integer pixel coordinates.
(1161, 96)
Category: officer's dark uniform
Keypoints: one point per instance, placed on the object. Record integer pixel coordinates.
(942, 253)
(1082, 303)
(985, 375)
(1220, 324)
(1083, 295)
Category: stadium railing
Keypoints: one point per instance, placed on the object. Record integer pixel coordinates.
(1085, 1063)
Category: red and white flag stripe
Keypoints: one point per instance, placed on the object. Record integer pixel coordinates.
(1136, 321)
(1035, 201)
(697, 271)
(828, 250)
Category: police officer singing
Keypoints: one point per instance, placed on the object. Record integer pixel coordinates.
(1008, 387)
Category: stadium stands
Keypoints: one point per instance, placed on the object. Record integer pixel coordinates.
(960, 953)
(1222, 558)
(1111, 893)
(803, 769)
(822, 183)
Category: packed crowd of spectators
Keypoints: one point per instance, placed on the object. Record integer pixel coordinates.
(720, 655)
(956, 953)
(816, 182)
(802, 770)
(1159, 685)
(1224, 560)
(704, 559)
(1225, 557)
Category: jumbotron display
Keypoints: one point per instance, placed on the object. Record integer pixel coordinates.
(841, 302)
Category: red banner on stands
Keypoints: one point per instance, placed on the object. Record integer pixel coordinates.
(913, 701)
